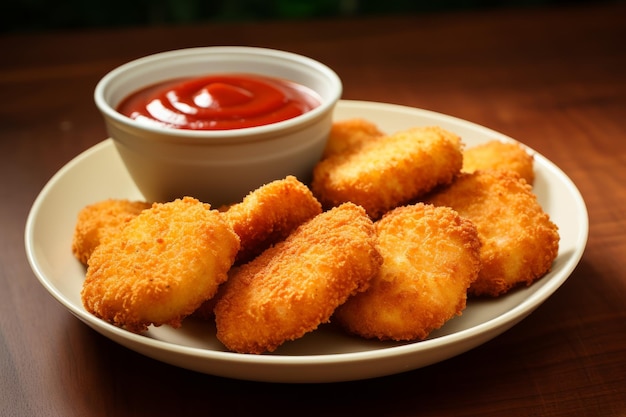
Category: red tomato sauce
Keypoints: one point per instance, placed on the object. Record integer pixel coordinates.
(219, 102)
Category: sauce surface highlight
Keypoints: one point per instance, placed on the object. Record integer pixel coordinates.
(219, 102)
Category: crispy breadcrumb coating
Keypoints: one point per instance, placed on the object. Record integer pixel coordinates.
(296, 285)
(431, 255)
(496, 154)
(519, 241)
(98, 220)
(269, 214)
(349, 135)
(165, 263)
(389, 172)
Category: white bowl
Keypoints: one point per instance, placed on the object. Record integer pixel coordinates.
(217, 166)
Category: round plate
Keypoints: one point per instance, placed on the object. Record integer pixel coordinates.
(327, 354)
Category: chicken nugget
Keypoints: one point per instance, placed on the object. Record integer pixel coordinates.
(519, 241)
(98, 220)
(296, 285)
(349, 135)
(389, 172)
(269, 214)
(431, 255)
(496, 154)
(161, 267)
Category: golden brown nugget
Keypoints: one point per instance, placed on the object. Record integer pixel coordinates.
(269, 214)
(496, 154)
(98, 220)
(431, 255)
(389, 172)
(161, 267)
(349, 135)
(296, 285)
(519, 241)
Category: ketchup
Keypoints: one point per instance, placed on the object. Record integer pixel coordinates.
(219, 102)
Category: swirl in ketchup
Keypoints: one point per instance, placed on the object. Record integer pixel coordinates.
(219, 102)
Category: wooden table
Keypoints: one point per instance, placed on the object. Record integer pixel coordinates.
(553, 78)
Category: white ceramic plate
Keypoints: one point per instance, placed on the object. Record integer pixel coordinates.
(326, 355)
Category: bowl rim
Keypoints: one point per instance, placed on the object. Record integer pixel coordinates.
(298, 122)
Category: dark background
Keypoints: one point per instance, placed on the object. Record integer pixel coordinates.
(45, 15)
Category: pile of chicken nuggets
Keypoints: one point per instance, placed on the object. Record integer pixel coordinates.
(390, 239)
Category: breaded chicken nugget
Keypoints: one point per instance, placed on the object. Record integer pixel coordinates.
(269, 214)
(296, 285)
(266, 216)
(496, 154)
(519, 241)
(99, 220)
(431, 255)
(349, 135)
(389, 172)
(165, 263)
